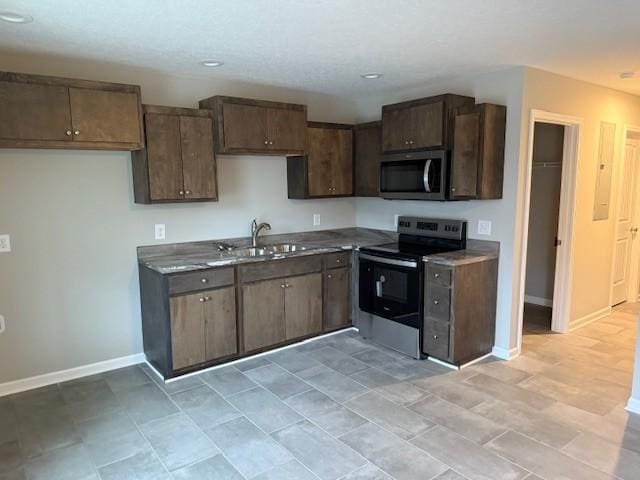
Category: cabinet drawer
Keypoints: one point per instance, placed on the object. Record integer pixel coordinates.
(438, 275)
(436, 339)
(337, 260)
(286, 267)
(437, 302)
(201, 280)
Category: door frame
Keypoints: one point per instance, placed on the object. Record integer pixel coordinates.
(634, 270)
(564, 255)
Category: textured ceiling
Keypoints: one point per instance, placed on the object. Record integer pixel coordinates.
(324, 45)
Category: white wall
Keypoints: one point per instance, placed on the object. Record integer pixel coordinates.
(69, 289)
(505, 88)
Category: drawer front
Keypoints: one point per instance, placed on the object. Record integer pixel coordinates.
(436, 339)
(337, 260)
(285, 267)
(438, 275)
(201, 280)
(437, 302)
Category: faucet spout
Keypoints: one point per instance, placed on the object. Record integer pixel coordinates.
(255, 231)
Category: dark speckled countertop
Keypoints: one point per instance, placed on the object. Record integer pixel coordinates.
(184, 257)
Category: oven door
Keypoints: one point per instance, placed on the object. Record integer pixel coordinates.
(391, 288)
(419, 176)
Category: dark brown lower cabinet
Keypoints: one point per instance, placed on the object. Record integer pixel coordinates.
(203, 327)
(337, 298)
(303, 305)
(460, 310)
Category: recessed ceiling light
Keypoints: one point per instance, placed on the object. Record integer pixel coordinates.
(212, 63)
(371, 76)
(13, 17)
(629, 74)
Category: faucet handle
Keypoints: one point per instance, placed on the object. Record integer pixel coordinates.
(254, 224)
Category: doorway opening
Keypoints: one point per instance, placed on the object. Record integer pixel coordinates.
(544, 212)
(625, 277)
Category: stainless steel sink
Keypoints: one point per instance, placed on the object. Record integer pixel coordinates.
(286, 248)
(251, 252)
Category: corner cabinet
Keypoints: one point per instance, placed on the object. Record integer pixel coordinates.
(422, 123)
(327, 169)
(367, 153)
(248, 126)
(178, 163)
(196, 319)
(460, 310)
(50, 112)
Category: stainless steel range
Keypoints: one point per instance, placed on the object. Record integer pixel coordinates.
(391, 281)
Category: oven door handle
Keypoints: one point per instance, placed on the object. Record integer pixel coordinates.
(390, 261)
(379, 286)
(425, 176)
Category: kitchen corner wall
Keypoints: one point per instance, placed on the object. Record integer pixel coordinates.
(502, 87)
(69, 288)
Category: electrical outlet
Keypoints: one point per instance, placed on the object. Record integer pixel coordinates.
(395, 220)
(316, 219)
(484, 227)
(5, 243)
(161, 231)
(3, 324)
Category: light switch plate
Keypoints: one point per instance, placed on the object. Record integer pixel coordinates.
(3, 324)
(484, 227)
(316, 219)
(395, 220)
(160, 231)
(5, 243)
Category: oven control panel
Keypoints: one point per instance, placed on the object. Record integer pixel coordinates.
(432, 227)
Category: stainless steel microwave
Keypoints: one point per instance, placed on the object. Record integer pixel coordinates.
(420, 175)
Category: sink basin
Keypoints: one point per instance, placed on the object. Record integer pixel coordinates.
(286, 248)
(250, 252)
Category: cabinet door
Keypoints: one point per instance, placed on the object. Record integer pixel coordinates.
(287, 130)
(34, 112)
(303, 305)
(395, 129)
(426, 123)
(198, 161)
(263, 314)
(465, 155)
(322, 148)
(220, 323)
(105, 116)
(163, 156)
(366, 168)
(187, 330)
(342, 163)
(337, 298)
(245, 127)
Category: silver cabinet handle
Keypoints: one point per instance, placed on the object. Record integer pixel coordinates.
(406, 142)
(410, 142)
(338, 260)
(77, 132)
(266, 142)
(270, 143)
(435, 337)
(181, 192)
(68, 133)
(207, 298)
(436, 275)
(453, 189)
(329, 276)
(287, 285)
(436, 302)
(204, 280)
(282, 285)
(201, 299)
(187, 192)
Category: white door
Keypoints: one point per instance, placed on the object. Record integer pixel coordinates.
(626, 231)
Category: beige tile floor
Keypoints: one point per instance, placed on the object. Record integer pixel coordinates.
(343, 408)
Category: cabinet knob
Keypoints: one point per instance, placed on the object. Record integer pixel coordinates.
(436, 302)
(329, 276)
(270, 143)
(283, 285)
(181, 192)
(338, 260)
(77, 132)
(68, 133)
(435, 337)
(201, 299)
(410, 142)
(453, 189)
(187, 192)
(406, 142)
(207, 298)
(204, 280)
(287, 285)
(266, 142)
(436, 275)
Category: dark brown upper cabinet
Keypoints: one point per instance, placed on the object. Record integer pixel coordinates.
(178, 163)
(247, 126)
(366, 159)
(477, 158)
(422, 123)
(51, 112)
(327, 169)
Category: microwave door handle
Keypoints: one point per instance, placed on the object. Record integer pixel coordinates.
(425, 176)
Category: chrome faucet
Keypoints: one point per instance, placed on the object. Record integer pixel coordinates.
(255, 231)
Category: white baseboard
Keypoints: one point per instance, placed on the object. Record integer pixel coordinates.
(633, 405)
(505, 354)
(592, 317)
(544, 302)
(71, 374)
